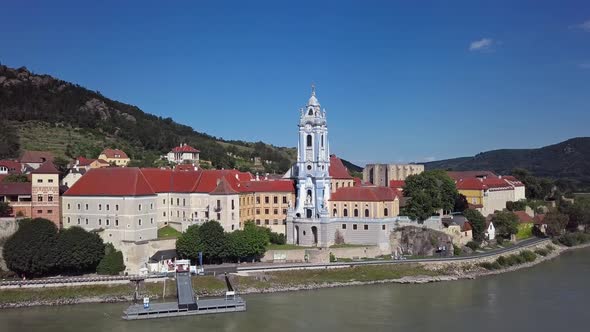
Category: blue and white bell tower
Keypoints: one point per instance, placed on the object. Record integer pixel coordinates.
(313, 162)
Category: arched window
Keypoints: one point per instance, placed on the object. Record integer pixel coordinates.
(334, 212)
(366, 213)
(336, 185)
(385, 212)
(309, 141)
(310, 112)
(345, 212)
(322, 141)
(356, 212)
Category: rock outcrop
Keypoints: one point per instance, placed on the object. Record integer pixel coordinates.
(417, 241)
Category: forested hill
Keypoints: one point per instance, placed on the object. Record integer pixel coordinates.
(42, 112)
(568, 161)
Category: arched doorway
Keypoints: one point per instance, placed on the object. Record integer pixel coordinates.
(314, 233)
(296, 235)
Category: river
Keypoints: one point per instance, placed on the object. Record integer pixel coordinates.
(552, 296)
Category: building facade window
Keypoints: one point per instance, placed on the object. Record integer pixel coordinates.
(343, 226)
(354, 226)
(366, 227)
(366, 213)
(39, 198)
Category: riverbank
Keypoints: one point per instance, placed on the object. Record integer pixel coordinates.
(270, 282)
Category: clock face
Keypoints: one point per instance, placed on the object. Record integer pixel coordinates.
(308, 126)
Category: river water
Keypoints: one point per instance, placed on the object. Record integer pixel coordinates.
(553, 296)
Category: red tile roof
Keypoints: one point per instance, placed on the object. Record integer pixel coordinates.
(46, 168)
(223, 188)
(14, 167)
(268, 186)
(82, 161)
(36, 156)
(111, 181)
(185, 148)
(397, 184)
(466, 227)
(523, 217)
(337, 169)
(470, 184)
(112, 153)
(365, 194)
(15, 188)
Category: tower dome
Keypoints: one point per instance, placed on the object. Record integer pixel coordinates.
(313, 101)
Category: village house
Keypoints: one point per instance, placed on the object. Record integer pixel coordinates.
(35, 159)
(39, 198)
(115, 157)
(183, 154)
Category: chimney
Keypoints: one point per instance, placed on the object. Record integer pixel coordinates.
(257, 177)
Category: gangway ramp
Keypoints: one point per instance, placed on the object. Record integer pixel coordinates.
(184, 291)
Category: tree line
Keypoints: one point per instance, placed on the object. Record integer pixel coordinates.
(38, 249)
(218, 246)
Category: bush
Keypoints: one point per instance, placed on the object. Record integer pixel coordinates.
(472, 245)
(499, 241)
(550, 247)
(276, 238)
(112, 262)
(502, 261)
(456, 250)
(542, 251)
(528, 256)
(30, 251)
(332, 258)
(491, 265)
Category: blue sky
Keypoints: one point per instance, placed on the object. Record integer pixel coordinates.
(400, 80)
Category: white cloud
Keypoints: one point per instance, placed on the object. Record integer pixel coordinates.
(482, 45)
(584, 26)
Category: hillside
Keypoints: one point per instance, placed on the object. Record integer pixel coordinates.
(40, 112)
(568, 160)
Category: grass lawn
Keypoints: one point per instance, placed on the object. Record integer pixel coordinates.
(167, 232)
(284, 247)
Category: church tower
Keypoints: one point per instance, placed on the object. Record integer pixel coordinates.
(313, 162)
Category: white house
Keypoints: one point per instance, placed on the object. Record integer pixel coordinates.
(183, 154)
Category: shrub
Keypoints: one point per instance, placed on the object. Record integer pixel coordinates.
(550, 247)
(332, 258)
(528, 256)
(502, 261)
(490, 265)
(112, 262)
(542, 251)
(499, 241)
(472, 245)
(277, 238)
(456, 250)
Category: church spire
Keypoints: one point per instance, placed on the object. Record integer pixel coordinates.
(313, 101)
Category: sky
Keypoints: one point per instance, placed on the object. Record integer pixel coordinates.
(401, 81)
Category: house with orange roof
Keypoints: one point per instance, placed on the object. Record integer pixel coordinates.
(115, 157)
(486, 191)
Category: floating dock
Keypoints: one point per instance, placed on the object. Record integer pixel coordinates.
(187, 304)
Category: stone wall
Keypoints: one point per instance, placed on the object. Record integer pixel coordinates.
(137, 254)
(320, 255)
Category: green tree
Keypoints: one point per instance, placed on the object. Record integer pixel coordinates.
(5, 209)
(112, 261)
(429, 192)
(556, 222)
(77, 251)
(29, 250)
(11, 178)
(516, 206)
(461, 203)
(189, 244)
(256, 238)
(506, 224)
(478, 223)
(9, 140)
(214, 241)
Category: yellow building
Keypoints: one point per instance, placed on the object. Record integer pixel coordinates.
(266, 203)
(115, 157)
(365, 202)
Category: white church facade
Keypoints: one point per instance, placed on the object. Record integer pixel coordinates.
(323, 216)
